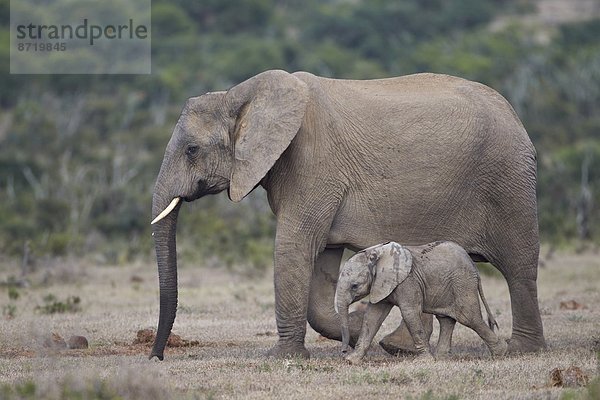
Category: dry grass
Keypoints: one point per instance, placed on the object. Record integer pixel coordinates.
(232, 317)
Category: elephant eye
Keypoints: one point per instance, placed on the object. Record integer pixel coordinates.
(354, 286)
(192, 150)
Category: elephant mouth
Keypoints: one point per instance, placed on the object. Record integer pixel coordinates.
(203, 188)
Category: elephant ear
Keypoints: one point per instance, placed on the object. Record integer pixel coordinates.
(269, 109)
(391, 269)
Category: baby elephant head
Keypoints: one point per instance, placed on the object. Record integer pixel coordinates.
(375, 271)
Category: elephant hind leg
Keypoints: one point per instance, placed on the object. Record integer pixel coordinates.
(511, 244)
(321, 313)
(518, 262)
(521, 277)
(496, 345)
(528, 333)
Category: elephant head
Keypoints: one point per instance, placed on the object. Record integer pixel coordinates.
(222, 140)
(375, 271)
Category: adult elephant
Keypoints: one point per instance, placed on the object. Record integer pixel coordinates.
(349, 164)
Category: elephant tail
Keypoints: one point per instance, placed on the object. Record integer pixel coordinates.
(491, 321)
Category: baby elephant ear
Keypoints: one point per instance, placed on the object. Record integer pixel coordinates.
(391, 269)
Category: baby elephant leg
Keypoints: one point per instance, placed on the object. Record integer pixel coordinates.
(400, 342)
(444, 344)
(496, 345)
(374, 317)
(412, 317)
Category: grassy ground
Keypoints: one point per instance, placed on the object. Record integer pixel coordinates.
(232, 317)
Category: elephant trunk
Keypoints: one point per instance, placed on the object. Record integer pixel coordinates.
(164, 232)
(342, 307)
(345, 330)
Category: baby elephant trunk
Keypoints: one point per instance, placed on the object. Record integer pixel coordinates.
(345, 331)
(342, 310)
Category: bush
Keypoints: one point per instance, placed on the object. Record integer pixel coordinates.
(53, 306)
(79, 154)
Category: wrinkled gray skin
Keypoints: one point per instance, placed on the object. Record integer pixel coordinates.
(349, 164)
(438, 278)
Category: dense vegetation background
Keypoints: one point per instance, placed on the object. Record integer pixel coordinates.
(79, 154)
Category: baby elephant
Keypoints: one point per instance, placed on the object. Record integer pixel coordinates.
(437, 278)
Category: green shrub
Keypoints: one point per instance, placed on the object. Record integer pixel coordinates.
(13, 293)
(9, 311)
(79, 156)
(53, 306)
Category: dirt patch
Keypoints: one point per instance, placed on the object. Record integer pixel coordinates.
(572, 305)
(77, 346)
(16, 352)
(146, 337)
(570, 377)
(54, 342)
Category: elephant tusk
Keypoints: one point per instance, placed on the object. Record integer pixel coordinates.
(335, 304)
(167, 210)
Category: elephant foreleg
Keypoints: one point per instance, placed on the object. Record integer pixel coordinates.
(414, 324)
(444, 344)
(400, 342)
(292, 283)
(373, 318)
(321, 313)
(296, 253)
